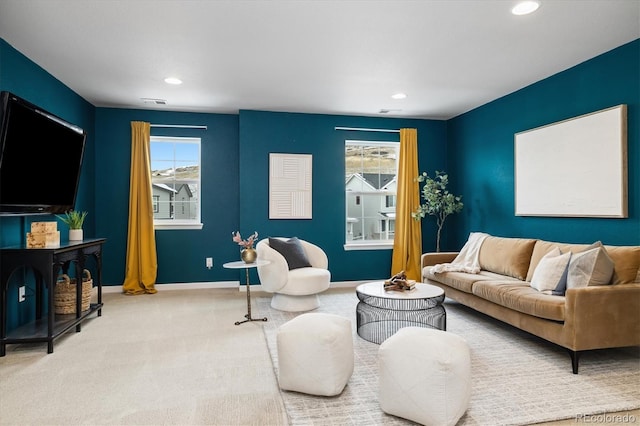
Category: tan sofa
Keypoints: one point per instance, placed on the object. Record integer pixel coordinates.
(594, 317)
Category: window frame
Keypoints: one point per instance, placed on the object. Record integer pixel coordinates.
(384, 196)
(170, 224)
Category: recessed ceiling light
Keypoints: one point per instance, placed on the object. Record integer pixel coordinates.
(525, 7)
(172, 80)
(399, 96)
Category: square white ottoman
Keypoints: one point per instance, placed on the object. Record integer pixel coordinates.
(425, 376)
(315, 354)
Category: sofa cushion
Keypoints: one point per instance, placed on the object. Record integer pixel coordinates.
(590, 267)
(551, 273)
(463, 281)
(625, 258)
(520, 297)
(506, 256)
(627, 264)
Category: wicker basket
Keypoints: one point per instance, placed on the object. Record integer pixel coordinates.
(65, 293)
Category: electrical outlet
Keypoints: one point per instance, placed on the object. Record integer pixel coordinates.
(21, 293)
(209, 262)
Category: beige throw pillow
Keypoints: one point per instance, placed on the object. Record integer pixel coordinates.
(589, 268)
(551, 272)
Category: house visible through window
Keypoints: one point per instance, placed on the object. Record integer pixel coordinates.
(370, 191)
(175, 180)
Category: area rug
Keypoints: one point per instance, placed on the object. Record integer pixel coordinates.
(517, 378)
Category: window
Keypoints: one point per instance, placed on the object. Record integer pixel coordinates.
(175, 180)
(370, 192)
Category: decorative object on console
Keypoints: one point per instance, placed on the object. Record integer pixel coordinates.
(399, 282)
(248, 254)
(75, 220)
(43, 235)
(438, 201)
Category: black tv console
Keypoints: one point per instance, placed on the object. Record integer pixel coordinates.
(47, 264)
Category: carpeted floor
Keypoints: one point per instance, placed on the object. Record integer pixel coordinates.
(517, 378)
(171, 358)
(176, 358)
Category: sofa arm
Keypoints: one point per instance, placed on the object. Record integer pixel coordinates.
(434, 258)
(603, 316)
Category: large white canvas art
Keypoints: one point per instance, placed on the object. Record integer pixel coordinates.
(290, 186)
(575, 168)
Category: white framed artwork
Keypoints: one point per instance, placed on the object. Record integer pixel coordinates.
(574, 168)
(290, 186)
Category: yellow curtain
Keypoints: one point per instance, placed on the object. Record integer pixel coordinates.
(407, 243)
(142, 264)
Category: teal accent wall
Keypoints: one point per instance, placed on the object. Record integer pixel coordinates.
(22, 77)
(476, 149)
(262, 133)
(481, 155)
(181, 253)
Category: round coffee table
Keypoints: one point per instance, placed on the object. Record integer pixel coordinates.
(381, 313)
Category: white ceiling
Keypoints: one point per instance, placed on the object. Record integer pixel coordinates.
(334, 57)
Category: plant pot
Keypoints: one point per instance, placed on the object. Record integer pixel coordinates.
(248, 255)
(75, 235)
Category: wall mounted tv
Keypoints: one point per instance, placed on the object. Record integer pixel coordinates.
(40, 159)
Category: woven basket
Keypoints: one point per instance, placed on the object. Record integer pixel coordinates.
(65, 293)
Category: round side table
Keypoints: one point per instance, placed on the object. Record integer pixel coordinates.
(240, 265)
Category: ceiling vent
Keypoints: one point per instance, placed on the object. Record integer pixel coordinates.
(154, 101)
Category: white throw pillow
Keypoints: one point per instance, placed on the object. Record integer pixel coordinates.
(551, 272)
(590, 267)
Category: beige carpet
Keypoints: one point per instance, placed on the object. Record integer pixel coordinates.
(176, 358)
(516, 378)
(173, 358)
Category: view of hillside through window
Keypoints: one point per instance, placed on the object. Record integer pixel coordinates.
(175, 179)
(370, 189)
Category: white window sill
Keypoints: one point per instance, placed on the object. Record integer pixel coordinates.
(171, 226)
(369, 246)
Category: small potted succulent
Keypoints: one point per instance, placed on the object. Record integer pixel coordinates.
(75, 220)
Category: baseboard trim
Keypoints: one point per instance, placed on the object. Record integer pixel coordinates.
(220, 284)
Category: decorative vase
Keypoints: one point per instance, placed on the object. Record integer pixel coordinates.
(75, 235)
(249, 255)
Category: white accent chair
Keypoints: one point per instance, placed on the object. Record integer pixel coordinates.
(294, 290)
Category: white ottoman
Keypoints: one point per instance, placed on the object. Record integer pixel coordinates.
(315, 354)
(425, 376)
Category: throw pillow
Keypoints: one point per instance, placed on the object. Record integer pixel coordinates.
(551, 273)
(292, 251)
(590, 267)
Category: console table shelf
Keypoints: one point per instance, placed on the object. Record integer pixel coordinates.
(47, 264)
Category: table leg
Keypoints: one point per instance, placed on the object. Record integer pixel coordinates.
(248, 316)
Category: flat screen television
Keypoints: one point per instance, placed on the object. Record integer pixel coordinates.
(40, 159)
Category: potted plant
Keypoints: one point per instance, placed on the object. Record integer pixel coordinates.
(75, 220)
(438, 201)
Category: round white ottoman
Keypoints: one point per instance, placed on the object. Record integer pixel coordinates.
(315, 354)
(425, 376)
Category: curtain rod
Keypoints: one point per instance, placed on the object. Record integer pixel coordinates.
(180, 126)
(368, 130)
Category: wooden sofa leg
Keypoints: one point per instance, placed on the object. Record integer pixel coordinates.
(575, 358)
